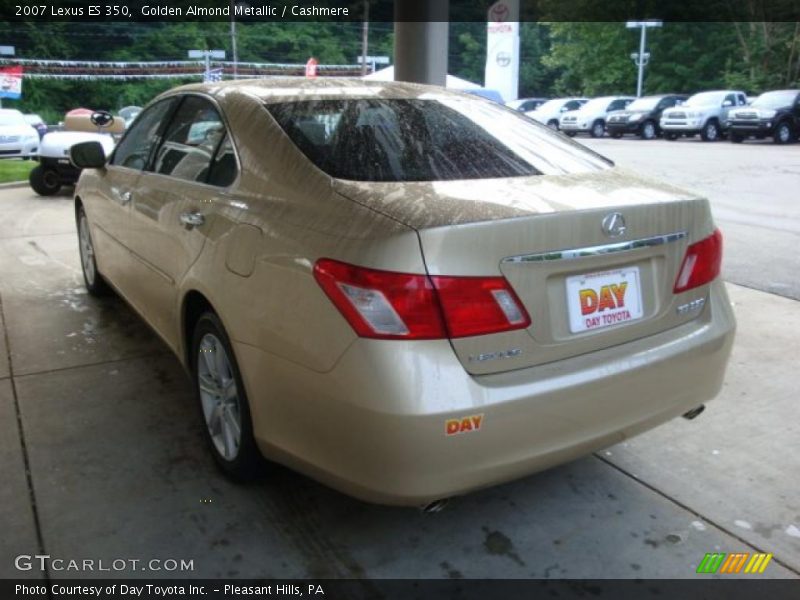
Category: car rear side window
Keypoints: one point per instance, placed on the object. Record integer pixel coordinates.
(223, 168)
(432, 139)
(134, 150)
(190, 141)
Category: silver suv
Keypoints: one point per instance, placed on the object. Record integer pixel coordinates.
(704, 113)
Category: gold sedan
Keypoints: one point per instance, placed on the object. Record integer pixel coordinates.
(403, 292)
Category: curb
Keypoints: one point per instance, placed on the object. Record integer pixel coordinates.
(12, 185)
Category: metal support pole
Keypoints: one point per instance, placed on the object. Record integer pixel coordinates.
(365, 40)
(420, 44)
(641, 59)
(233, 40)
(642, 40)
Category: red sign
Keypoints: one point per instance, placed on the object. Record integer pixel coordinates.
(311, 68)
(11, 82)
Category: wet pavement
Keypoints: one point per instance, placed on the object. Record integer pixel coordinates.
(100, 412)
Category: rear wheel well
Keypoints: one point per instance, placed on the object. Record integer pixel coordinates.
(194, 305)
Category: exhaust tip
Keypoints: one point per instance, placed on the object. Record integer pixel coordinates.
(435, 506)
(694, 413)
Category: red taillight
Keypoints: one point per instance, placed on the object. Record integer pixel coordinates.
(479, 305)
(388, 305)
(701, 264)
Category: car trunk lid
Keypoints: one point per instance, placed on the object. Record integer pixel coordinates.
(583, 288)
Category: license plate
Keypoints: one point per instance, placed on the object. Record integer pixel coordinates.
(599, 300)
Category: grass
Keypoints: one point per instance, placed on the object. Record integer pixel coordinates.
(14, 169)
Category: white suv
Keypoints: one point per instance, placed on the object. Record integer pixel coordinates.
(549, 112)
(591, 117)
(705, 113)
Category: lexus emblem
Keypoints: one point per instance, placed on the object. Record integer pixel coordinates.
(614, 225)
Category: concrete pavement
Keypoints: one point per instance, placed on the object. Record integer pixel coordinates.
(118, 468)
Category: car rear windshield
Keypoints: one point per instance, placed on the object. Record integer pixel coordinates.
(430, 139)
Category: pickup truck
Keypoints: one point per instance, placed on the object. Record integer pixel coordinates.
(641, 117)
(549, 112)
(705, 113)
(591, 117)
(773, 114)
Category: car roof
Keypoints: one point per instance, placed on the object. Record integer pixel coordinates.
(288, 89)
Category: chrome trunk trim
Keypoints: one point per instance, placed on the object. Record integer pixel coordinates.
(657, 240)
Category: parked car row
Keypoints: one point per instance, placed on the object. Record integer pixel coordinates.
(712, 115)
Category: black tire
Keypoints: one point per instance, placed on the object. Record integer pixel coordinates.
(671, 136)
(648, 131)
(736, 138)
(553, 124)
(598, 129)
(92, 278)
(247, 463)
(711, 131)
(44, 181)
(783, 133)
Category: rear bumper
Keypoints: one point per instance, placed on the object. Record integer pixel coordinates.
(375, 425)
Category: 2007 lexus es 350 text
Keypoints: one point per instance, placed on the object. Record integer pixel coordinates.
(403, 292)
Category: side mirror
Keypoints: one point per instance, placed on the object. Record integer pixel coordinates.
(727, 103)
(563, 109)
(87, 155)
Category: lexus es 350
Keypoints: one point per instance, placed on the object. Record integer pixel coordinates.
(403, 292)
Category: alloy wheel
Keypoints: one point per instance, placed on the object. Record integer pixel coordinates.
(219, 397)
(783, 134)
(87, 250)
(649, 131)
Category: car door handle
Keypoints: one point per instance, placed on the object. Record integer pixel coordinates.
(192, 219)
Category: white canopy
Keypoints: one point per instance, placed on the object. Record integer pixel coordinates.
(453, 82)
